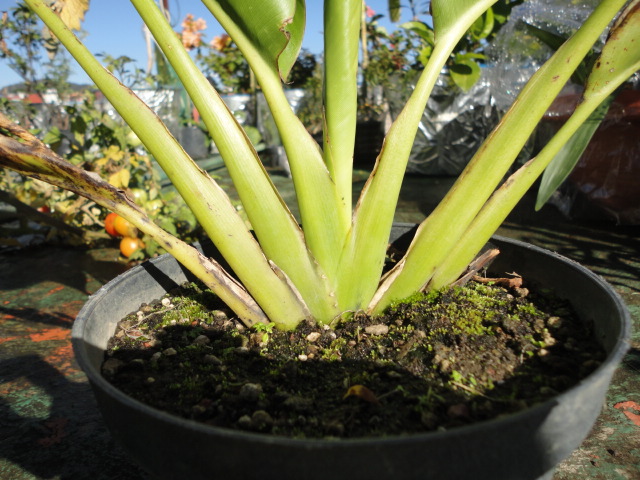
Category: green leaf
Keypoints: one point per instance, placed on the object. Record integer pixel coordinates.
(207, 199)
(465, 72)
(448, 15)
(567, 158)
(619, 59)
(394, 10)
(53, 137)
(364, 251)
(275, 28)
(277, 230)
(324, 213)
(421, 29)
(483, 26)
(554, 42)
(601, 85)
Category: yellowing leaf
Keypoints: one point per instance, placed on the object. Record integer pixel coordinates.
(114, 153)
(363, 392)
(120, 179)
(71, 11)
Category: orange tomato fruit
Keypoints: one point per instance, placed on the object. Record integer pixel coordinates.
(128, 245)
(124, 228)
(108, 224)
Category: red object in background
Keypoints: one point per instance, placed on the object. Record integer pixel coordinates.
(608, 173)
(108, 224)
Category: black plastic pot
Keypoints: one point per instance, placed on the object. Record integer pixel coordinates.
(526, 445)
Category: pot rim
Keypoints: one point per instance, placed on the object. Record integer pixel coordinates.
(620, 346)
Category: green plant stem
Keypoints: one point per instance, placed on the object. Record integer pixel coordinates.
(277, 230)
(322, 210)
(363, 256)
(208, 201)
(341, 39)
(617, 62)
(503, 201)
(444, 228)
(30, 157)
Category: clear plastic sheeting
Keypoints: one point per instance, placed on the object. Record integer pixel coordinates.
(515, 54)
(242, 106)
(452, 128)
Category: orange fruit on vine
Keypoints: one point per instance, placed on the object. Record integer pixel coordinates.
(108, 224)
(129, 245)
(124, 228)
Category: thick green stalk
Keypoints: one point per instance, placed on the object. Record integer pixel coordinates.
(364, 252)
(207, 200)
(31, 157)
(619, 60)
(440, 232)
(322, 210)
(341, 39)
(363, 256)
(277, 230)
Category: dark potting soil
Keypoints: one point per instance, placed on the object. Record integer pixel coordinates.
(443, 360)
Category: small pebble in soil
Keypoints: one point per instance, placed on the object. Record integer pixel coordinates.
(250, 392)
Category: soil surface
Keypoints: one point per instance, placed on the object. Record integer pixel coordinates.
(443, 360)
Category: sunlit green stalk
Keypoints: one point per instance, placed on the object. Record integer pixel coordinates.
(444, 228)
(618, 60)
(341, 39)
(30, 157)
(277, 230)
(208, 201)
(321, 208)
(364, 253)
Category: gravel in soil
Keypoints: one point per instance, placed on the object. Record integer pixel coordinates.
(438, 361)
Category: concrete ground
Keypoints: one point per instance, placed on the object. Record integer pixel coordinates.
(49, 424)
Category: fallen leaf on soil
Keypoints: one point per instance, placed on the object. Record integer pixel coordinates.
(363, 392)
(626, 408)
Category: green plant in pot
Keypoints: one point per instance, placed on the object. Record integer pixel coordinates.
(332, 265)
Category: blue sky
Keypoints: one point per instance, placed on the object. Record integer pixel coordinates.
(114, 27)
